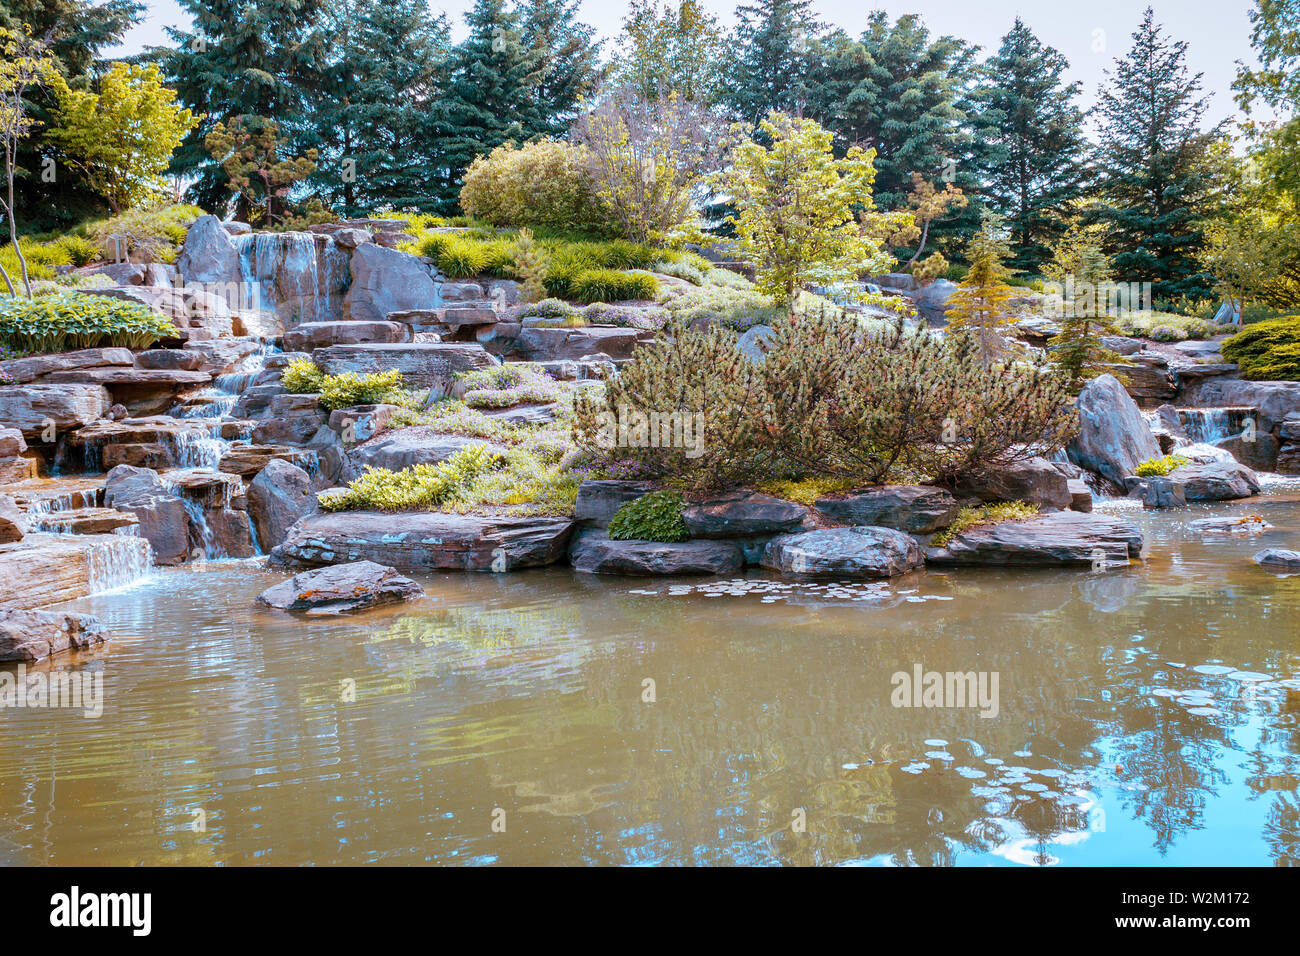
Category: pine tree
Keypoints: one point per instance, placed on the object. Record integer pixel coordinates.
(775, 52)
(1084, 272)
(242, 59)
(489, 99)
(1157, 179)
(979, 305)
(1031, 146)
(568, 61)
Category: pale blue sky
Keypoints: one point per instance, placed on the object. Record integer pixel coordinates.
(1090, 34)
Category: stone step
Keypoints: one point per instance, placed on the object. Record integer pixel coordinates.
(247, 460)
(83, 521)
(314, 335)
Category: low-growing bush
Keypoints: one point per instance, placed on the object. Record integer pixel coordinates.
(680, 270)
(1159, 467)
(301, 376)
(58, 323)
(1165, 326)
(548, 309)
(973, 515)
(505, 386)
(653, 517)
(1267, 351)
(806, 491)
(735, 307)
(602, 313)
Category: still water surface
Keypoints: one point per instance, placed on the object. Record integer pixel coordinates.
(1145, 716)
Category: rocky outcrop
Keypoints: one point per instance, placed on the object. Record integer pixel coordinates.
(34, 410)
(919, 509)
(341, 589)
(423, 365)
(142, 391)
(1278, 559)
(844, 552)
(12, 443)
(1113, 437)
(744, 513)
(1147, 378)
(1059, 539)
(164, 520)
(550, 345)
(1216, 481)
(384, 281)
(30, 369)
(599, 500)
(278, 497)
(428, 540)
(1035, 480)
(31, 636)
(594, 552)
(405, 447)
(208, 254)
(291, 420)
(314, 335)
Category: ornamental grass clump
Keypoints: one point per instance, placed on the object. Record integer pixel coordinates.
(61, 322)
(653, 517)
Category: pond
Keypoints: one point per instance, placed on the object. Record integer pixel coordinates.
(1143, 716)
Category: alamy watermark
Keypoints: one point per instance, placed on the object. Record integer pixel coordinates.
(946, 689)
(633, 428)
(77, 690)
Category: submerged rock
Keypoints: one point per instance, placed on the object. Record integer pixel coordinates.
(594, 552)
(1278, 559)
(31, 636)
(920, 509)
(1243, 524)
(341, 589)
(1113, 436)
(849, 552)
(1059, 539)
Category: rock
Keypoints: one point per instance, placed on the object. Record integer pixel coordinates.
(1061, 539)
(197, 314)
(291, 420)
(1157, 492)
(755, 342)
(384, 281)
(83, 521)
(278, 497)
(919, 509)
(26, 370)
(1273, 401)
(186, 360)
(313, 335)
(12, 443)
(256, 400)
(1216, 481)
(359, 422)
(743, 513)
(13, 522)
(17, 469)
(1035, 480)
(247, 460)
(503, 292)
(142, 391)
(428, 540)
(1080, 495)
(594, 552)
(208, 254)
(1289, 431)
(431, 366)
(31, 636)
(341, 589)
(1288, 459)
(1114, 438)
(1241, 524)
(549, 345)
(850, 552)
(151, 455)
(47, 569)
(599, 500)
(223, 356)
(400, 449)
(164, 520)
(1278, 559)
(36, 410)
(1122, 345)
(1147, 378)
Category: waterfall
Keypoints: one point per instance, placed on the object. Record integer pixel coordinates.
(1213, 425)
(114, 561)
(297, 275)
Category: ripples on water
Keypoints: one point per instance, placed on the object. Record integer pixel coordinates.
(1146, 716)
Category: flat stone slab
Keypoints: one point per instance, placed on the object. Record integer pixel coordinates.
(25, 370)
(410, 540)
(315, 335)
(116, 375)
(1059, 539)
(919, 509)
(1278, 559)
(83, 521)
(548, 345)
(247, 460)
(31, 636)
(29, 408)
(599, 499)
(341, 589)
(844, 552)
(45, 569)
(405, 447)
(744, 513)
(423, 365)
(594, 552)
(1245, 524)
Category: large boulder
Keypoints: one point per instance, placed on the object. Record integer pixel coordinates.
(423, 365)
(164, 520)
(1113, 436)
(315, 335)
(1035, 480)
(1216, 481)
(36, 409)
(549, 345)
(208, 254)
(31, 636)
(594, 552)
(599, 500)
(744, 513)
(844, 552)
(278, 497)
(341, 589)
(291, 420)
(932, 300)
(1060, 539)
(384, 281)
(12, 443)
(405, 447)
(30, 369)
(45, 569)
(425, 540)
(919, 509)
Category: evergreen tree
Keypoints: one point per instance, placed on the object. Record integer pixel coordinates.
(243, 59)
(371, 114)
(1031, 153)
(980, 305)
(568, 61)
(678, 51)
(774, 55)
(1083, 271)
(490, 97)
(1158, 179)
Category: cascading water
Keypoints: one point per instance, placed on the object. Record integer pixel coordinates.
(1213, 425)
(116, 561)
(298, 276)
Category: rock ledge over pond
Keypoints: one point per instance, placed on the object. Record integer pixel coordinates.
(1059, 539)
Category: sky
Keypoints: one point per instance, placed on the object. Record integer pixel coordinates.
(1091, 34)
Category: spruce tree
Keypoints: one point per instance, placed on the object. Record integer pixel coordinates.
(980, 305)
(1157, 176)
(1031, 149)
(774, 55)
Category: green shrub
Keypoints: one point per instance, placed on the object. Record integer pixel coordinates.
(419, 486)
(609, 285)
(57, 323)
(548, 309)
(680, 270)
(807, 491)
(152, 235)
(734, 307)
(1267, 351)
(1160, 467)
(973, 515)
(505, 386)
(301, 376)
(540, 184)
(653, 517)
(81, 251)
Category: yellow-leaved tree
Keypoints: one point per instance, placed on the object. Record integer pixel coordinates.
(980, 305)
(121, 139)
(797, 207)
